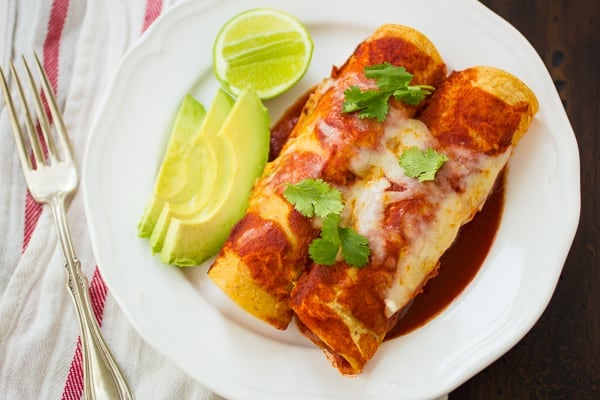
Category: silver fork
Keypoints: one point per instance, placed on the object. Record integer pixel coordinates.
(51, 178)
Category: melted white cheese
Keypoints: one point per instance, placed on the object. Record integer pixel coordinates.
(377, 169)
(370, 195)
(330, 133)
(368, 200)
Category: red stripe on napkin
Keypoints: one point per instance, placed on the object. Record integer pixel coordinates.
(98, 290)
(58, 15)
(153, 9)
(33, 210)
(74, 385)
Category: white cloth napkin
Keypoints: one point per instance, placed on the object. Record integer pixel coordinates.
(81, 42)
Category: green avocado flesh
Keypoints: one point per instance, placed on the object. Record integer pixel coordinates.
(203, 185)
(204, 176)
(241, 148)
(172, 180)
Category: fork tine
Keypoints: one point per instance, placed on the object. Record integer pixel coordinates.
(42, 117)
(16, 128)
(34, 139)
(56, 115)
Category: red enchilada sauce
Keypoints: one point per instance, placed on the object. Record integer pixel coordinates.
(284, 125)
(459, 264)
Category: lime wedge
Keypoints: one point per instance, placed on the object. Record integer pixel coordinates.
(263, 49)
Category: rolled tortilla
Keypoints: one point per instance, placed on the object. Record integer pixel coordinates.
(475, 118)
(266, 252)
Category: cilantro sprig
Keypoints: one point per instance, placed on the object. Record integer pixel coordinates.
(314, 197)
(421, 164)
(391, 81)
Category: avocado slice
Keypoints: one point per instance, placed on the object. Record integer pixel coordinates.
(172, 179)
(204, 176)
(241, 148)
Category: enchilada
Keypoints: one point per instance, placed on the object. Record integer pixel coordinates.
(475, 118)
(266, 252)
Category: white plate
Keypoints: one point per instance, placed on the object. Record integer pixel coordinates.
(181, 314)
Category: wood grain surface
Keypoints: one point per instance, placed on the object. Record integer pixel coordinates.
(560, 357)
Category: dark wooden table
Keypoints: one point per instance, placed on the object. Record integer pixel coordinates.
(560, 357)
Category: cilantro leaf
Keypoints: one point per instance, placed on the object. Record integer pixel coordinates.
(368, 103)
(323, 251)
(355, 247)
(387, 76)
(335, 238)
(313, 197)
(413, 95)
(421, 164)
(391, 81)
(329, 230)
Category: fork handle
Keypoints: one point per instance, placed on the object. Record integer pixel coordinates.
(102, 377)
